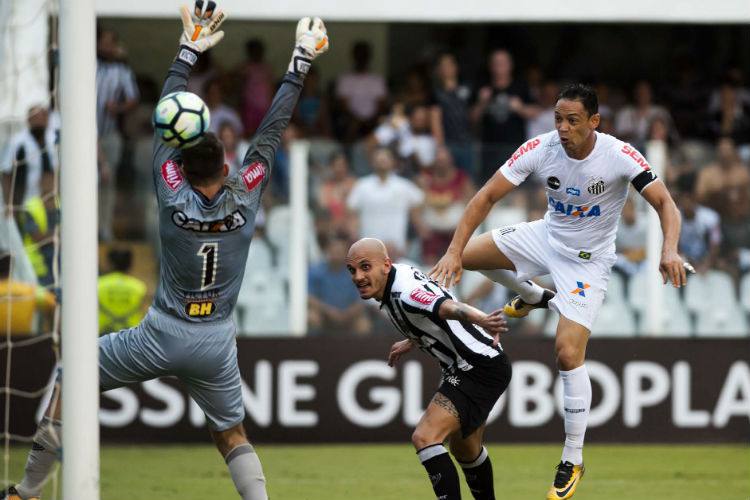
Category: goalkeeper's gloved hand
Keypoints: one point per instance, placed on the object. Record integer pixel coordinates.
(199, 30)
(311, 41)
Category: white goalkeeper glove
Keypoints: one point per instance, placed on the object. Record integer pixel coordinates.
(311, 41)
(199, 30)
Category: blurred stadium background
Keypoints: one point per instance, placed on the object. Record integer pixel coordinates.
(450, 91)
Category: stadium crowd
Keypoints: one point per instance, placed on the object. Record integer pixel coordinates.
(399, 159)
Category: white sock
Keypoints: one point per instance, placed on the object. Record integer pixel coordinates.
(247, 473)
(530, 292)
(44, 451)
(577, 399)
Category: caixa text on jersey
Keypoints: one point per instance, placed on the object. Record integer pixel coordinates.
(574, 210)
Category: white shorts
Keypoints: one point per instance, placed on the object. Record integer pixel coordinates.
(581, 284)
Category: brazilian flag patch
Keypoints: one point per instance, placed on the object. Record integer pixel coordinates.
(584, 255)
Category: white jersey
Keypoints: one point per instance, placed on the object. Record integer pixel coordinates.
(413, 301)
(585, 197)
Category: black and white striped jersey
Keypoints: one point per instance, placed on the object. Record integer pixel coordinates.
(413, 301)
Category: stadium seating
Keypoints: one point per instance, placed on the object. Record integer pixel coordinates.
(277, 229)
(713, 289)
(615, 320)
(745, 292)
(616, 289)
(728, 321)
(262, 305)
(675, 321)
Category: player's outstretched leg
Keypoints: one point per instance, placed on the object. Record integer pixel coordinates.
(243, 463)
(45, 450)
(482, 254)
(438, 422)
(475, 462)
(571, 351)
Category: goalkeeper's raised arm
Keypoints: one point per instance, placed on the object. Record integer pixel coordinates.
(311, 40)
(200, 32)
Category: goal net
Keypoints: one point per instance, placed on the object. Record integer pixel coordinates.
(29, 226)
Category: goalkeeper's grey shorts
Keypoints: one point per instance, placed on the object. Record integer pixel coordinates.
(202, 355)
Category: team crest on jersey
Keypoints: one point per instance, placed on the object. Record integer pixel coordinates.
(254, 175)
(422, 296)
(553, 183)
(595, 185)
(170, 172)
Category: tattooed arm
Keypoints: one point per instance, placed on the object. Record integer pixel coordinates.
(493, 323)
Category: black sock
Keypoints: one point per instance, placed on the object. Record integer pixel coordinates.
(442, 472)
(479, 476)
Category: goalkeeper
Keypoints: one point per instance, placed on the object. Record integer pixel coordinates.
(206, 220)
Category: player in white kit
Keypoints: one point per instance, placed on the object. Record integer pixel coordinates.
(586, 175)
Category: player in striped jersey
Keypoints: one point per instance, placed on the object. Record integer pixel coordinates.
(465, 341)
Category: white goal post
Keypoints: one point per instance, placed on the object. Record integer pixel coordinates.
(78, 198)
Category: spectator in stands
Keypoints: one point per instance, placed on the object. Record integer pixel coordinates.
(334, 307)
(383, 203)
(361, 95)
(122, 297)
(408, 132)
(630, 242)
(20, 302)
(257, 80)
(280, 178)
(686, 93)
(735, 248)
(334, 191)
(730, 117)
(116, 95)
(501, 110)
(234, 146)
(30, 153)
(415, 90)
(447, 190)
(312, 114)
(452, 99)
(715, 179)
(221, 113)
(203, 71)
(544, 121)
(632, 121)
(700, 235)
(37, 221)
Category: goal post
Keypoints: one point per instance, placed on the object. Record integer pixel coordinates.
(78, 198)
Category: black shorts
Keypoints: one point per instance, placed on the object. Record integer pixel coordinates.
(476, 391)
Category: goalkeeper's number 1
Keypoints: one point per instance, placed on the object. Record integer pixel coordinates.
(210, 253)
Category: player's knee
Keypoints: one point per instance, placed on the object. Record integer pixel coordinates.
(229, 439)
(422, 438)
(568, 357)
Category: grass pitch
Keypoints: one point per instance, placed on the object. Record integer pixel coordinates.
(392, 472)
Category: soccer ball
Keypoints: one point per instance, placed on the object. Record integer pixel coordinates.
(181, 119)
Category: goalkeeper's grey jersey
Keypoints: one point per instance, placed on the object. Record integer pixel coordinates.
(204, 243)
